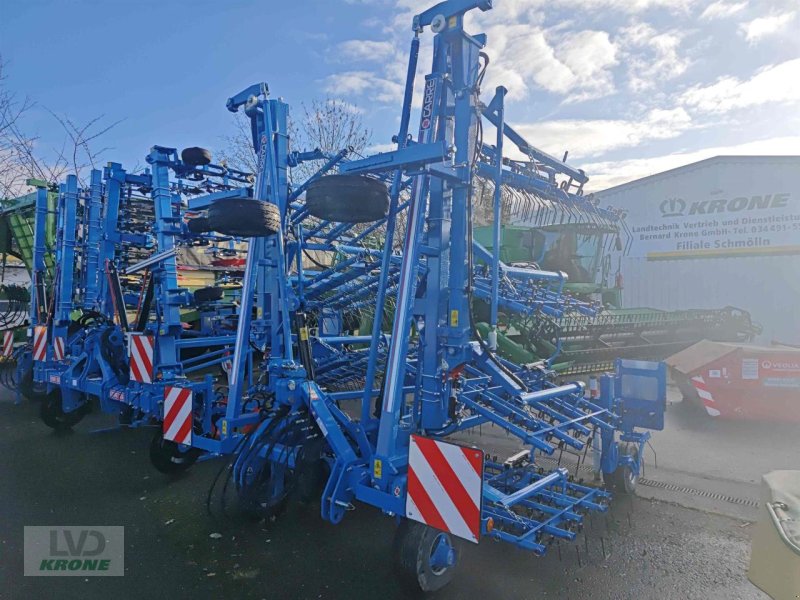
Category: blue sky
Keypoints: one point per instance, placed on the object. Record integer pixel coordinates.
(629, 87)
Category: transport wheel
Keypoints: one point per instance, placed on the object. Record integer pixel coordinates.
(208, 294)
(244, 217)
(168, 457)
(425, 558)
(198, 225)
(30, 389)
(53, 414)
(623, 480)
(195, 157)
(347, 199)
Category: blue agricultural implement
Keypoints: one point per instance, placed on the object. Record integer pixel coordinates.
(431, 375)
(355, 364)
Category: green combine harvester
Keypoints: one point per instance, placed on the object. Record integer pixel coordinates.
(17, 217)
(583, 344)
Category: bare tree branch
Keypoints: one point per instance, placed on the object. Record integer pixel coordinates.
(22, 156)
(329, 125)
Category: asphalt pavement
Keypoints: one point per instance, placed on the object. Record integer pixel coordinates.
(656, 545)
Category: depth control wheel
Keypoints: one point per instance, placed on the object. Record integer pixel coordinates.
(168, 457)
(53, 415)
(425, 558)
(623, 480)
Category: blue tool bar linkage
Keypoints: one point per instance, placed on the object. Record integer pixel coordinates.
(394, 199)
(66, 255)
(559, 476)
(91, 270)
(497, 216)
(491, 113)
(38, 276)
(165, 277)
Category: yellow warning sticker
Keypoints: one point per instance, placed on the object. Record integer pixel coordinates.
(304, 334)
(377, 468)
(224, 427)
(453, 318)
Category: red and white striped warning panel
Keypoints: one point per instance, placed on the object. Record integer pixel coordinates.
(178, 414)
(8, 343)
(444, 486)
(140, 357)
(40, 342)
(705, 395)
(58, 348)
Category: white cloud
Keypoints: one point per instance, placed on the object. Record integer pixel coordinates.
(630, 6)
(772, 84)
(651, 57)
(722, 10)
(366, 50)
(590, 56)
(757, 29)
(376, 148)
(610, 173)
(593, 137)
(578, 66)
(363, 83)
(623, 6)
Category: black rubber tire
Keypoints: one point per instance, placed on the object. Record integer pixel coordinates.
(54, 416)
(167, 457)
(196, 157)
(244, 217)
(622, 480)
(29, 389)
(198, 225)
(254, 503)
(208, 294)
(412, 547)
(347, 199)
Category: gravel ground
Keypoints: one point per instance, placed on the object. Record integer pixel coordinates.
(652, 549)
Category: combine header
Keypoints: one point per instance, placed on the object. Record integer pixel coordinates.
(581, 246)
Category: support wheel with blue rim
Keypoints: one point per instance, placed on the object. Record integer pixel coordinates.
(425, 558)
(623, 480)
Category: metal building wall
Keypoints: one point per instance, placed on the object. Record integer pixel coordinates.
(767, 285)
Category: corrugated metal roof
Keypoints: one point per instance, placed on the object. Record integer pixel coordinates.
(702, 164)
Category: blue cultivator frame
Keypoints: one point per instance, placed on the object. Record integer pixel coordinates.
(432, 375)
(365, 413)
(128, 225)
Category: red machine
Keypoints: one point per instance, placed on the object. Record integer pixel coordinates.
(740, 381)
